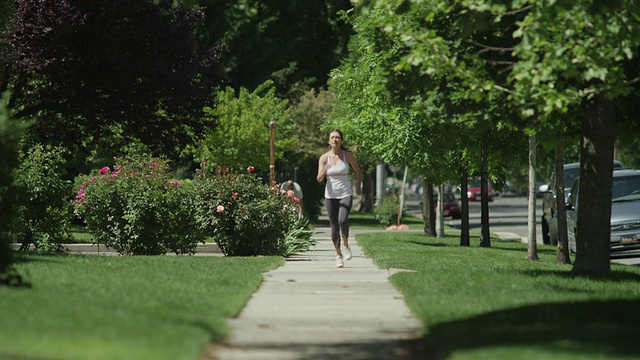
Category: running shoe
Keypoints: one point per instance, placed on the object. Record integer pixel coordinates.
(339, 262)
(347, 253)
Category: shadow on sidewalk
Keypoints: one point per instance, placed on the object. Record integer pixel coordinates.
(414, 349)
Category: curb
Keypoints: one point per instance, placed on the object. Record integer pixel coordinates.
(207, 248)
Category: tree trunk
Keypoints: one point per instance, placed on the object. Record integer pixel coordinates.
(427, 209)
(367, 199)
(464, 207)
(562, 255)
(440, 213)
(485, 235)
(593, 245)
(532, 248)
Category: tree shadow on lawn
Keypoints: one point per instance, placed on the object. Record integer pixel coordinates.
(615, 276)
(367, 220)
(593, 328)
(31, 257)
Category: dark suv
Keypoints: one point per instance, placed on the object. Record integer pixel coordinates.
(549, 203)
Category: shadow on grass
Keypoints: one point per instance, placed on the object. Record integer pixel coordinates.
(613, 276)
(367, 220)
(594, 328)
(498, 244)
(19, 257)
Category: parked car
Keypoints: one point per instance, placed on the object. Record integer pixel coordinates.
(550, 204)
(450, 205)
(508, 190)
(473, 190)
(625, 212)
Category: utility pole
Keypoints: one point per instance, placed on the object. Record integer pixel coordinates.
(272, 162)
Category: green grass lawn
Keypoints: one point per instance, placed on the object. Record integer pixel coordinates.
(479, 303)
(124, 307)
(81, 235)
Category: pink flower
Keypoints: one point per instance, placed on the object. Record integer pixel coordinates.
(219, 209)
(251, 169)
(80, 198)
(93, 179)
(174, 183)
(235, 195)
(114, 174)
(154, 164)
(104, 170)
(203, 163)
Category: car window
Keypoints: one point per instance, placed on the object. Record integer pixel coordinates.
(447, 197)
(570, 175)
(572, 196)
(474, 183)
(617, 165)
(625, 188)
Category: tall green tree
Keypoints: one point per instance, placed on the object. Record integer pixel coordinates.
(437, 126)
(574, 53)
(242, 137)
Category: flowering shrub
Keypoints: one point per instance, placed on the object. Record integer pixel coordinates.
(137, 209)
(244, 216)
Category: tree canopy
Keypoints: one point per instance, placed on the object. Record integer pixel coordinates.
(80, 67)
(295, 44)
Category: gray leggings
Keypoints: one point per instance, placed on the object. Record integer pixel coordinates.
(338, 212)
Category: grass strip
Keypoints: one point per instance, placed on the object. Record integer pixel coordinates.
(118, 307)
(479, 303)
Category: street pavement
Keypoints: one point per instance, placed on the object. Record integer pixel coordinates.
(309, 309)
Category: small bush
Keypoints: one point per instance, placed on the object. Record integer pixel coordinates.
(244, 216)
(44, 213)
(298, 239)
(387, 211)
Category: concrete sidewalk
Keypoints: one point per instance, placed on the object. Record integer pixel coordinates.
(309, 309)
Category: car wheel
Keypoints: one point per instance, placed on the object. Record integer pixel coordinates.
(553, 231)
(545, 231)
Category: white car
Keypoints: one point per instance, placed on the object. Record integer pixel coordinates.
(625, 212)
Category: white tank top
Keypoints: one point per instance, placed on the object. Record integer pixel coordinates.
(338, 186)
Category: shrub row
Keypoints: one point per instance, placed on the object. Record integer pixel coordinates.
(136, 208)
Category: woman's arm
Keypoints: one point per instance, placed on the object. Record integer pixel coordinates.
(322, 167)
(354, 164)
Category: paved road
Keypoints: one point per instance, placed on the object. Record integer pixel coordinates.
(506, 215)
(509, 215)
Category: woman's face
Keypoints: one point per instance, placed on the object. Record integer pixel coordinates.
(335, 139)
